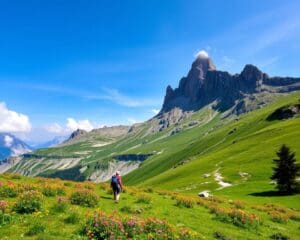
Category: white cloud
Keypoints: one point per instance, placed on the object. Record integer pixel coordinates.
(73, 124)
(11, 121)
(115, 96)
(54, 128)
(8, 140)
(70, 126)
(201, 54)
(132, 120)
(155, 111)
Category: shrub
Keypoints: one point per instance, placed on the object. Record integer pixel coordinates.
(24, 187)
(182, 201)
(238, 204)
(294, 216)
(273, 207)
(28, 202)
(221, 213)
(48, 191)
(89, 185)
(73, 218)
(237, 217)
(4, 217)
(279, 236)
(131, 227)
(278, 217)
(215, 199)
(102, 226)
(51, 190)
(203, 202)
(35, 229)
(84, 197)
(3, 206)
(244, 219)
(104, 186)
(158, 228)
(8, 191)
(61, 205)
(143, 199)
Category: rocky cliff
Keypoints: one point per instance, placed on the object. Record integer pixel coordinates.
(205, 84)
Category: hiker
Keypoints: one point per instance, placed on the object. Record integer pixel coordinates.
(117, 186)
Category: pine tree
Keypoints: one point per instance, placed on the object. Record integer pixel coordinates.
(286, 171)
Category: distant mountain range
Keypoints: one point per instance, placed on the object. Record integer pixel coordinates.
(12, 146)
(52, 143)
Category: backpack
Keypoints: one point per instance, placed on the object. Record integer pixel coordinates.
(114, 181)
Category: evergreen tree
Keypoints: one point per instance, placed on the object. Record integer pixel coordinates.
(286, 171)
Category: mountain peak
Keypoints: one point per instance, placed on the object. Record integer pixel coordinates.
(204, 84)
(77, 133)
(201, 65)
(250, 69)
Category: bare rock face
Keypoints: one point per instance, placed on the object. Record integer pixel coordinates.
(76, 134)
(204, 85)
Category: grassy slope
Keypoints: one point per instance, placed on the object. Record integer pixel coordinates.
(249, 149)
(161, 143)
(162, 206)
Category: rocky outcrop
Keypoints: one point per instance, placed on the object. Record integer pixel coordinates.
(204, 85)
(112, 132)
(76, 134)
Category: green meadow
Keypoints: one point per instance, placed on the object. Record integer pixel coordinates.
(60, 217)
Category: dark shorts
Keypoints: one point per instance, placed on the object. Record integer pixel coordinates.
(116, 189)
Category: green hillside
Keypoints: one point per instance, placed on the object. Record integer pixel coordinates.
(242, 152)
(235, 151)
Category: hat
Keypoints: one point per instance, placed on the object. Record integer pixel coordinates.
(118, 172)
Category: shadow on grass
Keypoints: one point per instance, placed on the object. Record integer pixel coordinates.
(268, 194)
(106, 197)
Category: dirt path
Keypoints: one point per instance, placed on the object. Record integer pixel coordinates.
(219, 179)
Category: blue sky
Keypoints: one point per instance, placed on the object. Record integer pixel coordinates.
(65, 64)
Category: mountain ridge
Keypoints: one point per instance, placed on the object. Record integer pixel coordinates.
(205, 84)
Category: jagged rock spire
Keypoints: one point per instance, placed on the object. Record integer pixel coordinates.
(204, 84)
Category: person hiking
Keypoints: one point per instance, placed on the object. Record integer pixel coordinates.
(117, 185)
